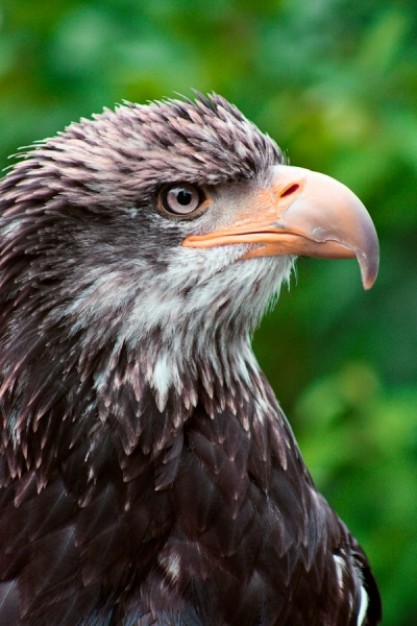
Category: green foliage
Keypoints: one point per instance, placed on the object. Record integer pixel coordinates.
(360, 442)
(335, 82)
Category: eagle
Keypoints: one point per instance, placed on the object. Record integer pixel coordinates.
(148, 475)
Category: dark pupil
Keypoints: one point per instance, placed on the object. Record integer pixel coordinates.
(183, 197)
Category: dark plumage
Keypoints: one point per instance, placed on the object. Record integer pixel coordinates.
(148, 475)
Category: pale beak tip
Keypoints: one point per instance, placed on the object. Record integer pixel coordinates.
(368, 281)
(369, 266)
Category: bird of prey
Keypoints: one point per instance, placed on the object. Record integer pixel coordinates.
(148, 474)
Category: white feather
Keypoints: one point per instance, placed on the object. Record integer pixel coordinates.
(363, 607)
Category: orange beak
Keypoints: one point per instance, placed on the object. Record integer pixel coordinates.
(304, 213)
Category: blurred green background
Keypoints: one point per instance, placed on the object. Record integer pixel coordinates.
(335, 83)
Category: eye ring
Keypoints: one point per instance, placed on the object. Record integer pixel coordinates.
(181, 199)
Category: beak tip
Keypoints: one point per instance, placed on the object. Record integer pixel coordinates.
(369, 270)
(368, 282)
(367, 250)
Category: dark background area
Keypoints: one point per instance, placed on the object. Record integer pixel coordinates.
(335, 83)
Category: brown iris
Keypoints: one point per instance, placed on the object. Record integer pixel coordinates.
(181, 199)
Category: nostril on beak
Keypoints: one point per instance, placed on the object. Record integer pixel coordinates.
(289, 190)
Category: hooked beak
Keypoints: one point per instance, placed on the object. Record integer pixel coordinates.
(304, 213)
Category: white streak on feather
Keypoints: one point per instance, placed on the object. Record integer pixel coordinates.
(340, 568)
(161, 379)
(172, 566)
(363, 607)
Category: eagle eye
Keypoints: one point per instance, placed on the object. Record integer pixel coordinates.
(181, 199)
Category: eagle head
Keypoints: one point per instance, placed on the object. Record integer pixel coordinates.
(152, 238)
